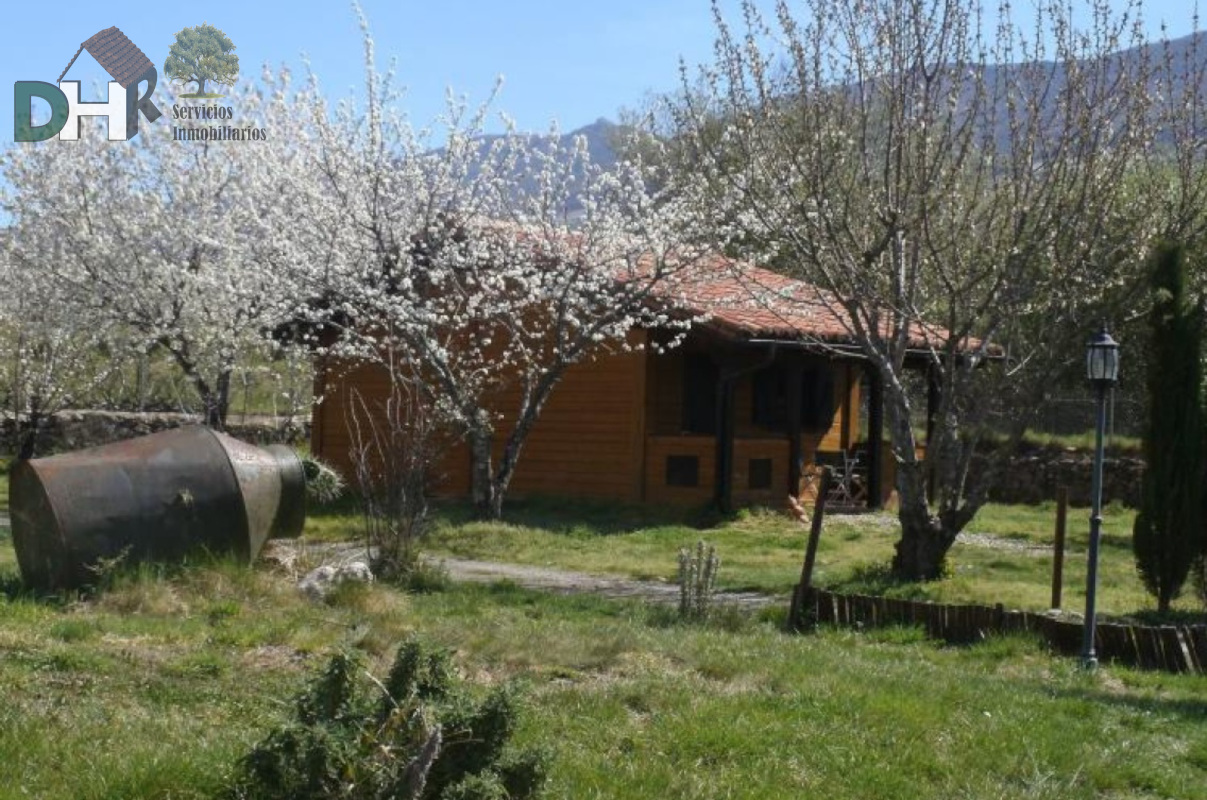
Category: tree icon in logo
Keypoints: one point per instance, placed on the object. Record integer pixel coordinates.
(199, 54)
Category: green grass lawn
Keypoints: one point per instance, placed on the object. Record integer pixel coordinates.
(1119, 443)
(154, 688)
(763, 550)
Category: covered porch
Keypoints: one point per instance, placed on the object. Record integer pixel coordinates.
(751, 422)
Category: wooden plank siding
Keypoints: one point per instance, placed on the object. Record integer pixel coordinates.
(332, 437)
(747, 450)
(659, 449)
(589, 440)
(609, 428)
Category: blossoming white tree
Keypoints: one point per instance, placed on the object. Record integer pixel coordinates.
(468, 266)
(927, 174)
(155, 238)
(473, 266)
(1175, 175)
(50, 354)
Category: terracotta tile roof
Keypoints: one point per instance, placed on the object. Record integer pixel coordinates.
(741, 300)
(120, 57)
(735, 298)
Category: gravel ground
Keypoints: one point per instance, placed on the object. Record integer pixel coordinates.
(888, 525)
(1004, 543)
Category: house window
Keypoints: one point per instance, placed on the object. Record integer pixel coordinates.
(699, 394)
(817, 398)
(759, 474)
(769, 407)
(682, 471)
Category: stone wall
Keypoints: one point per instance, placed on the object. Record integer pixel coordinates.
(1032, 477)
(74, 430)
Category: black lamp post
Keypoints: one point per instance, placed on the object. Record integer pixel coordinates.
(1102, 369)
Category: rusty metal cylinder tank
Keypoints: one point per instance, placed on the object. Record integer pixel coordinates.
(155, 498)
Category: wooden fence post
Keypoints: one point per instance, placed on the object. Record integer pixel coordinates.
(806, 571)
(1058, 548)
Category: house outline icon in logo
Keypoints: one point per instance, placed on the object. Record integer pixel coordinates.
(118, 56)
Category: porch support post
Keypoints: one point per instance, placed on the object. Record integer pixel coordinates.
(875, 436)
(846, 439)
(725, 434)
(795, 379)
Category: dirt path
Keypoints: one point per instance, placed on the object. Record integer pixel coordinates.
(288, 553)
(566, 582)
(558, 581)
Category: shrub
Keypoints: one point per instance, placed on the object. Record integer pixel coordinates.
(1168, 529)
(323, 484)
(426, 577)
(395, 444)
(423, 737)
(697, 580)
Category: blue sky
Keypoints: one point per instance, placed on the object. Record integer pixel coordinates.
(564, 60)
(568, 61)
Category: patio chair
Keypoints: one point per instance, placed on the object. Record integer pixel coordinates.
(849, 489)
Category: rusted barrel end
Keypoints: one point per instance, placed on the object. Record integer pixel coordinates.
(154, 498)
(291, 515)
(272, 486)
(40, 556)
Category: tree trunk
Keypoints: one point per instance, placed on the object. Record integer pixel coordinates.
(215, 400)
(925, 540)
(482, 488)
(213, 415)
(530, 410)
(494, 509)
(201, 86)
(502, 476)
(18, 445)
(217, 405)
(925, 536)
(27, 435)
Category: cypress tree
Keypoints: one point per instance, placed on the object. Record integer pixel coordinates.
(1168, 530)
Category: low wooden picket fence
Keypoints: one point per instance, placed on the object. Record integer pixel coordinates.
(1173, 648)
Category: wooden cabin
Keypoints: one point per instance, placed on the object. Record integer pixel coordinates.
(742, 412)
